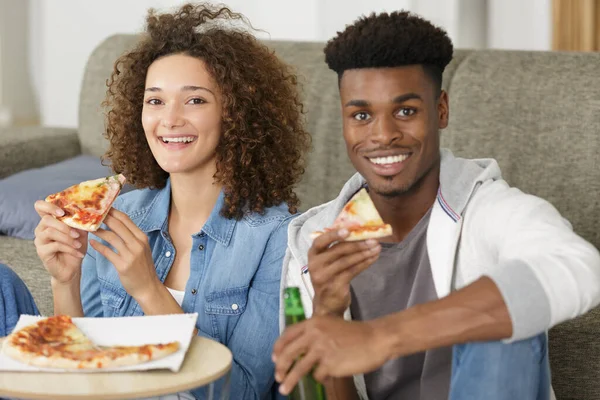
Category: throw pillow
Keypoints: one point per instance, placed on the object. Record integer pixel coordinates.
(20, 191)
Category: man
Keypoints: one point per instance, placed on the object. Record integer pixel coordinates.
(457, 302)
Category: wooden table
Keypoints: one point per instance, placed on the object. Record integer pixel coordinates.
(206, 361)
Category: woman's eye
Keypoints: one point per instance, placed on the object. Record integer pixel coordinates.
(361, 116)
(154, 102)
(406, 112)
(196, 101)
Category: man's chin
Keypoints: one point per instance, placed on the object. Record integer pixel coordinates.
(385, 187)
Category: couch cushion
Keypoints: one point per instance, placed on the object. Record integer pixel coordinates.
(537, 114)
(20, 191)
(21, 256)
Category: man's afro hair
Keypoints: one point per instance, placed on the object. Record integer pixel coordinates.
(392, 40)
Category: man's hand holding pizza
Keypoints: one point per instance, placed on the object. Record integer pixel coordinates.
(333, 263)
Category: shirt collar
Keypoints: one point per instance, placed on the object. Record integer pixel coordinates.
(156, 217)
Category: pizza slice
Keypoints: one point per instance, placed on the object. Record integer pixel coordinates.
(56, 342)
(87, 203)
(361, 219)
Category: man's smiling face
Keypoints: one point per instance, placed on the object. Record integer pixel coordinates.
(392, 118)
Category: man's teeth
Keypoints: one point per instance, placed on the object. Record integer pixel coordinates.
(188, 139)
(389, 159)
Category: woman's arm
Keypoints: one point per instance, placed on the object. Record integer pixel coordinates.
(251, 343)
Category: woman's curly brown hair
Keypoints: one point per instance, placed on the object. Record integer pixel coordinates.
(260, 156)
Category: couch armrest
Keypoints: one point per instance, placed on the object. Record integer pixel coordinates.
(24, 148)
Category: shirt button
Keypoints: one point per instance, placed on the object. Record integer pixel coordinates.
(194, 291)
(201, 247)
(168, 254)
(234, 307)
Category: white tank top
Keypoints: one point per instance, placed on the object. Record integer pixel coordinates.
(177, 295)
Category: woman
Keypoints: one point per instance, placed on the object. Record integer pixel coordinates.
(208, 123)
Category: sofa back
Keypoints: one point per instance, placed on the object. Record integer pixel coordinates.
(537, 113)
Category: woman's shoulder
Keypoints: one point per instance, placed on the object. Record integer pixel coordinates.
(274, 216)
(137, 201)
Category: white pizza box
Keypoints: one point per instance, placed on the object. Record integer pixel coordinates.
(125, 331)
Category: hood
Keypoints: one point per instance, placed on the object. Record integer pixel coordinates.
(459, 178)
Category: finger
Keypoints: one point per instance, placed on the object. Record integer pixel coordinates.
(350, 261)
(322, 372)
(289, 335)
(119, 228)
(127, 222)
(50, 235)
(106, 252)
(113, 239)
(43, 208)
(343, 249)
(324, 241)
(340, 284)
(289, 354)
(57, 247)
(300, 369)
(357, 269)
(49, 221)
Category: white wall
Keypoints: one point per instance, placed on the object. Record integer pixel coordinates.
(16, 95)
(64, 32)
(520, 25)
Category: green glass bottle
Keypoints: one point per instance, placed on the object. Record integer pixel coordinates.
(307, 388)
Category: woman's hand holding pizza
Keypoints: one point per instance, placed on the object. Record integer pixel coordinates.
(60, 247)
(132, 256)
(332, 264)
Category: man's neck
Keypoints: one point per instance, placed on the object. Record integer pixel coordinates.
(404, 212)
(193, 197)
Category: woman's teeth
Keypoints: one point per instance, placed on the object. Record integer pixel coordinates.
(187, 139)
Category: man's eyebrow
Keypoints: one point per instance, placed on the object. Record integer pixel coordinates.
(357, 103)
(399, 99)
(408, 96)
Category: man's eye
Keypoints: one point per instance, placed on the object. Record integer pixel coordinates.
(361, 116)
(406, 112)
(196, 100)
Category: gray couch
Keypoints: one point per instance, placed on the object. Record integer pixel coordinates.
(536, 113)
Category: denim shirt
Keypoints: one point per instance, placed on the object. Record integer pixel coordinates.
(234, 282)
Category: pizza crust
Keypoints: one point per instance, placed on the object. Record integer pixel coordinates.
(358, 234)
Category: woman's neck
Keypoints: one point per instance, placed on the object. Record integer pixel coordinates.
(193, 198)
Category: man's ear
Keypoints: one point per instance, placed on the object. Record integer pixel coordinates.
(443, 109)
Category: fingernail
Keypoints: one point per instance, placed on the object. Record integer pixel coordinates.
(343, 232)
(283, 390)
(273, 358)
(76, 244)
(372, 242)
(60, 212)
(81, 255)
(74, 234)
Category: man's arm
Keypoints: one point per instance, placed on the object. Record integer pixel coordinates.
(545, 272)
(475, 313)
(337, 348)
